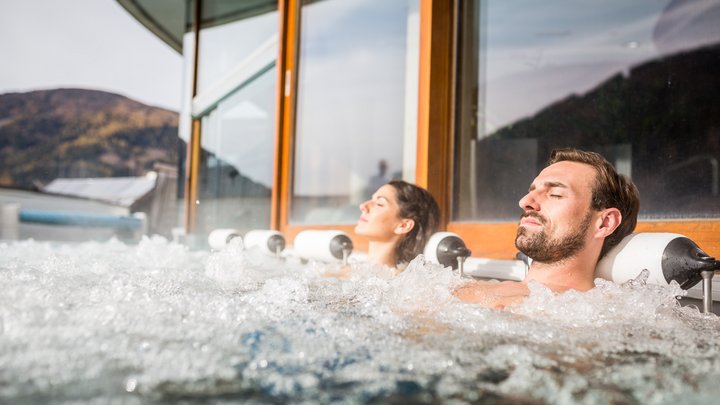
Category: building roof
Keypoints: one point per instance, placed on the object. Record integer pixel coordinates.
(169, 20)
(123, 191)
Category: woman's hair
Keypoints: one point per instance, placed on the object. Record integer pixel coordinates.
(611, 190)
(417, 204)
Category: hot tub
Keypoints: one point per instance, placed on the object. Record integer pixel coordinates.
(156, 322)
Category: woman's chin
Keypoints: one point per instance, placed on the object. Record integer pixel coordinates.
(361, 229)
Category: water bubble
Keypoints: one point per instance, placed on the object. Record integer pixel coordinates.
(76, 319)
(130, 384)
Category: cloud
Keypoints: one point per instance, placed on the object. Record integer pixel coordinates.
(87, 44)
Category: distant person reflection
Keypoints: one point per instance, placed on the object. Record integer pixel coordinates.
(377, 180)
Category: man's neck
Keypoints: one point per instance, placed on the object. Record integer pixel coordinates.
(574, 273)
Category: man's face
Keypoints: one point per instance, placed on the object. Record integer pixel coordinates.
(557, 214)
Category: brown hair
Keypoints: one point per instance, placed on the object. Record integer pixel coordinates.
(611, 190)
(417, 204)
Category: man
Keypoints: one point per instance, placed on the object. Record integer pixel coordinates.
(576, 210)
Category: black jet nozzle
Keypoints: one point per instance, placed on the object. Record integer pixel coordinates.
(684, 262)
(449, 249)
(276, 243)
(340, 243)
(230, 237)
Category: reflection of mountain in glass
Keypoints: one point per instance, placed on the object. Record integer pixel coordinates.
(667, 110)
(221, 179)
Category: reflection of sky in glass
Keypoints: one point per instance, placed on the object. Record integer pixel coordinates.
(538, 55)
(223, 46)
(351, 93)
(241, 130)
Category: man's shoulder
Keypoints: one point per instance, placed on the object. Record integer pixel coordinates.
(492, 294)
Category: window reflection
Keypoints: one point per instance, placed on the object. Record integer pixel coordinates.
(635, 81)
(223, 47)
(237, 158)
(236, 106)
(357, 97)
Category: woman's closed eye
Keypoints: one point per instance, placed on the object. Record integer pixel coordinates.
(380, 201)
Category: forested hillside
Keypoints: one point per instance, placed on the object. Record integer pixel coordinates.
(81, 133)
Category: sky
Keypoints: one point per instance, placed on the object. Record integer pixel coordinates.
(90, 44)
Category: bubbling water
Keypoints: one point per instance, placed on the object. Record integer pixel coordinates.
(156, 322)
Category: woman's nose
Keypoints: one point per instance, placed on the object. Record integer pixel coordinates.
(364, 207)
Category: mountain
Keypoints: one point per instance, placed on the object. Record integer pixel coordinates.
(81, 133)
(661, 118)
(651, 106)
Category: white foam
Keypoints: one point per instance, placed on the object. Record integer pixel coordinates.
(108, 322)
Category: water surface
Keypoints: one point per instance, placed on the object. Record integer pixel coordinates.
(158, 323)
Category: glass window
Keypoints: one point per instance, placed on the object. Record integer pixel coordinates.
(225, 47)
(634, 80)
(235, 103)
(237, 158)
(356, 105)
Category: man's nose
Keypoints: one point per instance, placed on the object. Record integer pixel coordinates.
(529, 202)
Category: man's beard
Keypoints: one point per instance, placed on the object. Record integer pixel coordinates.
(543, 250)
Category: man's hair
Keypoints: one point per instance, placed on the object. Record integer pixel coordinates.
(611, 190)
(417, 204)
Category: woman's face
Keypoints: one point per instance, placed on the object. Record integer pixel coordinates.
(380, 219)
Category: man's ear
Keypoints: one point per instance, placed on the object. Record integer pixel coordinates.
(406, 225)
(609, 220)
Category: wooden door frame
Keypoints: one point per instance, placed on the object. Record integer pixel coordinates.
(435, 138)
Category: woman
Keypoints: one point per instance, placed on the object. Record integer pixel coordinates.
(398, 221)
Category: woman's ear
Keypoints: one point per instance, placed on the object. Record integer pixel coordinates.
(406, 225)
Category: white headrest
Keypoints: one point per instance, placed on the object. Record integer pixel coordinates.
(432, 244)
(445, 248)
(634, 253)
(323, 245)
(268, 241)
(219, 238)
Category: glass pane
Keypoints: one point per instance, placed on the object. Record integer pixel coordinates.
(224, 47)
(356, 105)
(237, 158)
(634, 80)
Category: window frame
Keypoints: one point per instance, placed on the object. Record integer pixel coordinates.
(497, 239)
(435, 139)
(432, 136)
